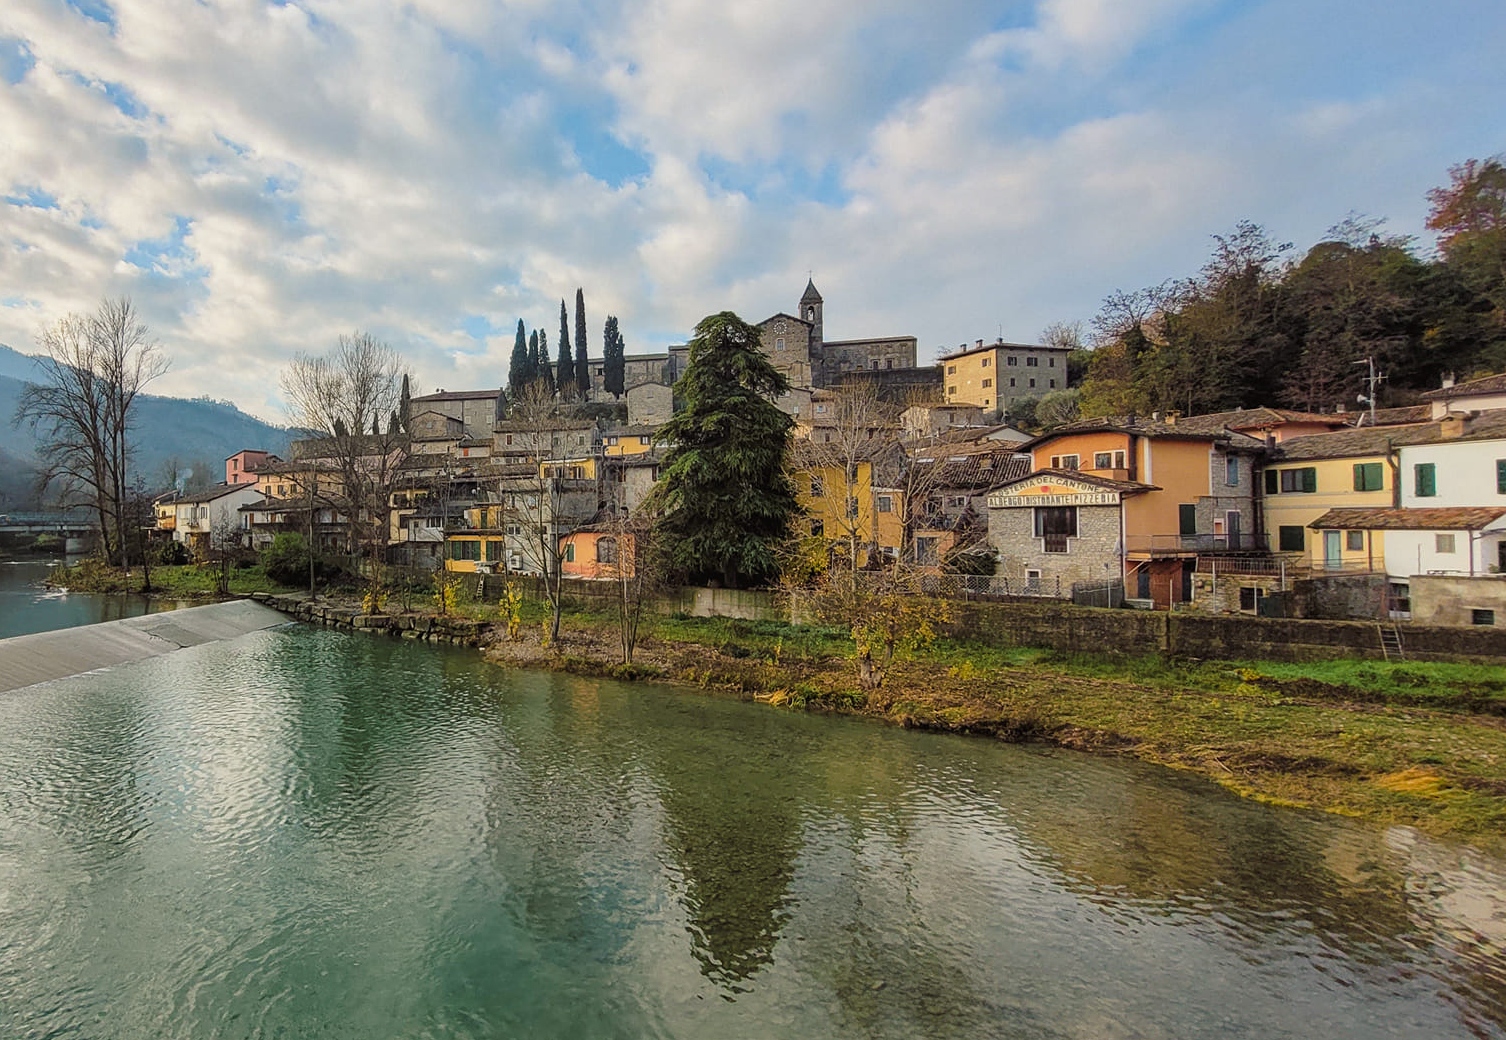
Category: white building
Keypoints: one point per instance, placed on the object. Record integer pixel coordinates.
(198, 518)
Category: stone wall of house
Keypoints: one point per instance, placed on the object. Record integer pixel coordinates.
(794, 358)
(1231, 593)
(1457, 600)
(1337, 597)
(1092, 556)
(649, 404)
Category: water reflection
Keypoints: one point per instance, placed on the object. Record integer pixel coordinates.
(27, 606)
(316, 833)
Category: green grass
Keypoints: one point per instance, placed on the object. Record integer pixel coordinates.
(190, 581)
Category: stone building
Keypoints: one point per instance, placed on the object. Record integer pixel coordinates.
(476, 409)
(650, 404)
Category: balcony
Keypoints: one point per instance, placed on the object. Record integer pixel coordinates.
(1194, 544)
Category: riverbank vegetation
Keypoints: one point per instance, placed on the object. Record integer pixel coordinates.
(186, 581)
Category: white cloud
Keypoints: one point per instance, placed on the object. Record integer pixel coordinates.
(402, 167)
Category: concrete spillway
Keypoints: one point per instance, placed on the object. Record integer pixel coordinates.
(29, 659)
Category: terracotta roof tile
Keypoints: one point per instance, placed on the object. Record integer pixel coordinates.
(1459, 518)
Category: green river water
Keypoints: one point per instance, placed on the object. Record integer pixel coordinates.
(308, 833)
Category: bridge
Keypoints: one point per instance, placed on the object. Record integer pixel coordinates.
(64, 525)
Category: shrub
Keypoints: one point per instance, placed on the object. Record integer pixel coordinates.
(287, 559)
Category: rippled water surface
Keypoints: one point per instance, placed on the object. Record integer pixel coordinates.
(305, 833)
(25, 606)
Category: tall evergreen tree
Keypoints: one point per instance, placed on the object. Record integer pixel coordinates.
(582, 357)
(612, 350)
(533, 357)
(564, 376)
(405, 403)
(546, 366)
(517, 367)
(725, 496)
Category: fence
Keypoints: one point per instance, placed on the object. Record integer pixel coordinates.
(1108, 593)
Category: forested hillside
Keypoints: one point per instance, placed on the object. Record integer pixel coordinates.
(169, 433)
(1260, 325)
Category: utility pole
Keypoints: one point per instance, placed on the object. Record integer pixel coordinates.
(1372, 380)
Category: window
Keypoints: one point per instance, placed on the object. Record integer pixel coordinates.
(1032, 362)
(1053, 384)
(1482, 617)
(645, 440)
(817, 528)
(1425, 476)
(1271, 481)
(570, 552)
(1119, 460)
(988, 382)
(779, 343)
(1103, 460)
(1250, 597)
(1187, 518)
(1064, 462)
(1443, 543)
(1299, 480)
(1354, 541)
(1011, 380)
(1291, 539)
(951, 370)
(1013, 362)
(852, 507)
(1231, 470)
(1368, 477)
(885, 503)
(1032, 384)
(818, 487)
(951, 389)
(985, 362)
(1501, 476)
(606, 550)
(925, 551)
(611, 441)
(1055, 524)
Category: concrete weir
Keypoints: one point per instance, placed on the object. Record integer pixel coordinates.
(29, 659)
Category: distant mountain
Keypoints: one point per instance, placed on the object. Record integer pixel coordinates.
(198, 433)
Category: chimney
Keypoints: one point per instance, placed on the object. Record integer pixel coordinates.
(1448, 380)
(1452, 426)
(980, 344)
(1155, 416)
(1171, 418)
(1340, 408)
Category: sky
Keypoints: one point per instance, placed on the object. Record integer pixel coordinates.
(261, 176)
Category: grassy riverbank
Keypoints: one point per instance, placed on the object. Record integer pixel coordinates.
(1422, 744)
(190, 581)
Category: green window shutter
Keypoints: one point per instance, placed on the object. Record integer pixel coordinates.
(1188, 517)
(1271, 482)
(1426, 479)
(1359, 476)
(1501, 476)
(1310, 479)
(1367, 476)
(1292, 539)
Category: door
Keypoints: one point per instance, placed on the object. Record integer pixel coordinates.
(1231, 528)
(1333, 557)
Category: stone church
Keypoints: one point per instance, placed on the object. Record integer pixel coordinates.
(798, 347)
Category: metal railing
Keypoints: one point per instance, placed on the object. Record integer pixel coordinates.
(1196, 543)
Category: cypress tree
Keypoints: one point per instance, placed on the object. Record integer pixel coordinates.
(517, 367)
(564, 376)
(727, 500)
(613, 367)
(546, 367)
(582, 358)
(404, 404)
(533, 357)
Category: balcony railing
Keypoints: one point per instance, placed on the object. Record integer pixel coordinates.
(1196, 543)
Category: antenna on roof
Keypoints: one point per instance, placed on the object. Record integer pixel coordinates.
(1373, 379)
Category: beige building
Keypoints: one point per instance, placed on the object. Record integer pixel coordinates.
(994, 375)
(475, 409)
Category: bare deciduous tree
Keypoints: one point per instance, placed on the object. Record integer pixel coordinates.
(356, 387)
(97, 366)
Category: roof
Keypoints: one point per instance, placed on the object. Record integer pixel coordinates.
(974, 469)
(1376, 440)
(1484, 385)
(1127, 487)
(1414, 413)
(458, 395)
(640, 430)
(1458, 518)
(782, 314)
(218, 491)
(867, 339)
(999, 344)
(810, 295)
(1142, 426)
(1260, 418)
(250, 451)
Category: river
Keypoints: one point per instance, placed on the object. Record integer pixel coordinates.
(26, 606)
(309, 833)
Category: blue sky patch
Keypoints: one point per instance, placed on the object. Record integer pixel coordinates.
(95, 10)
(32, 198)
(168, 256)
(15, 60)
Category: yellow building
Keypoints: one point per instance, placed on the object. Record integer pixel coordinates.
(580, 468)
(480, 545)
(630, 440)
(1306, 477)
(993, 376)
(846, 512)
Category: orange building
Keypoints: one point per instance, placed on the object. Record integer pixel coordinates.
(1179, 491)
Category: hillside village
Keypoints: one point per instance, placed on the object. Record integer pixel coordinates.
(1389, 514)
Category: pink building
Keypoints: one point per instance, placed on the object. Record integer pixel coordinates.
(241, 466)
